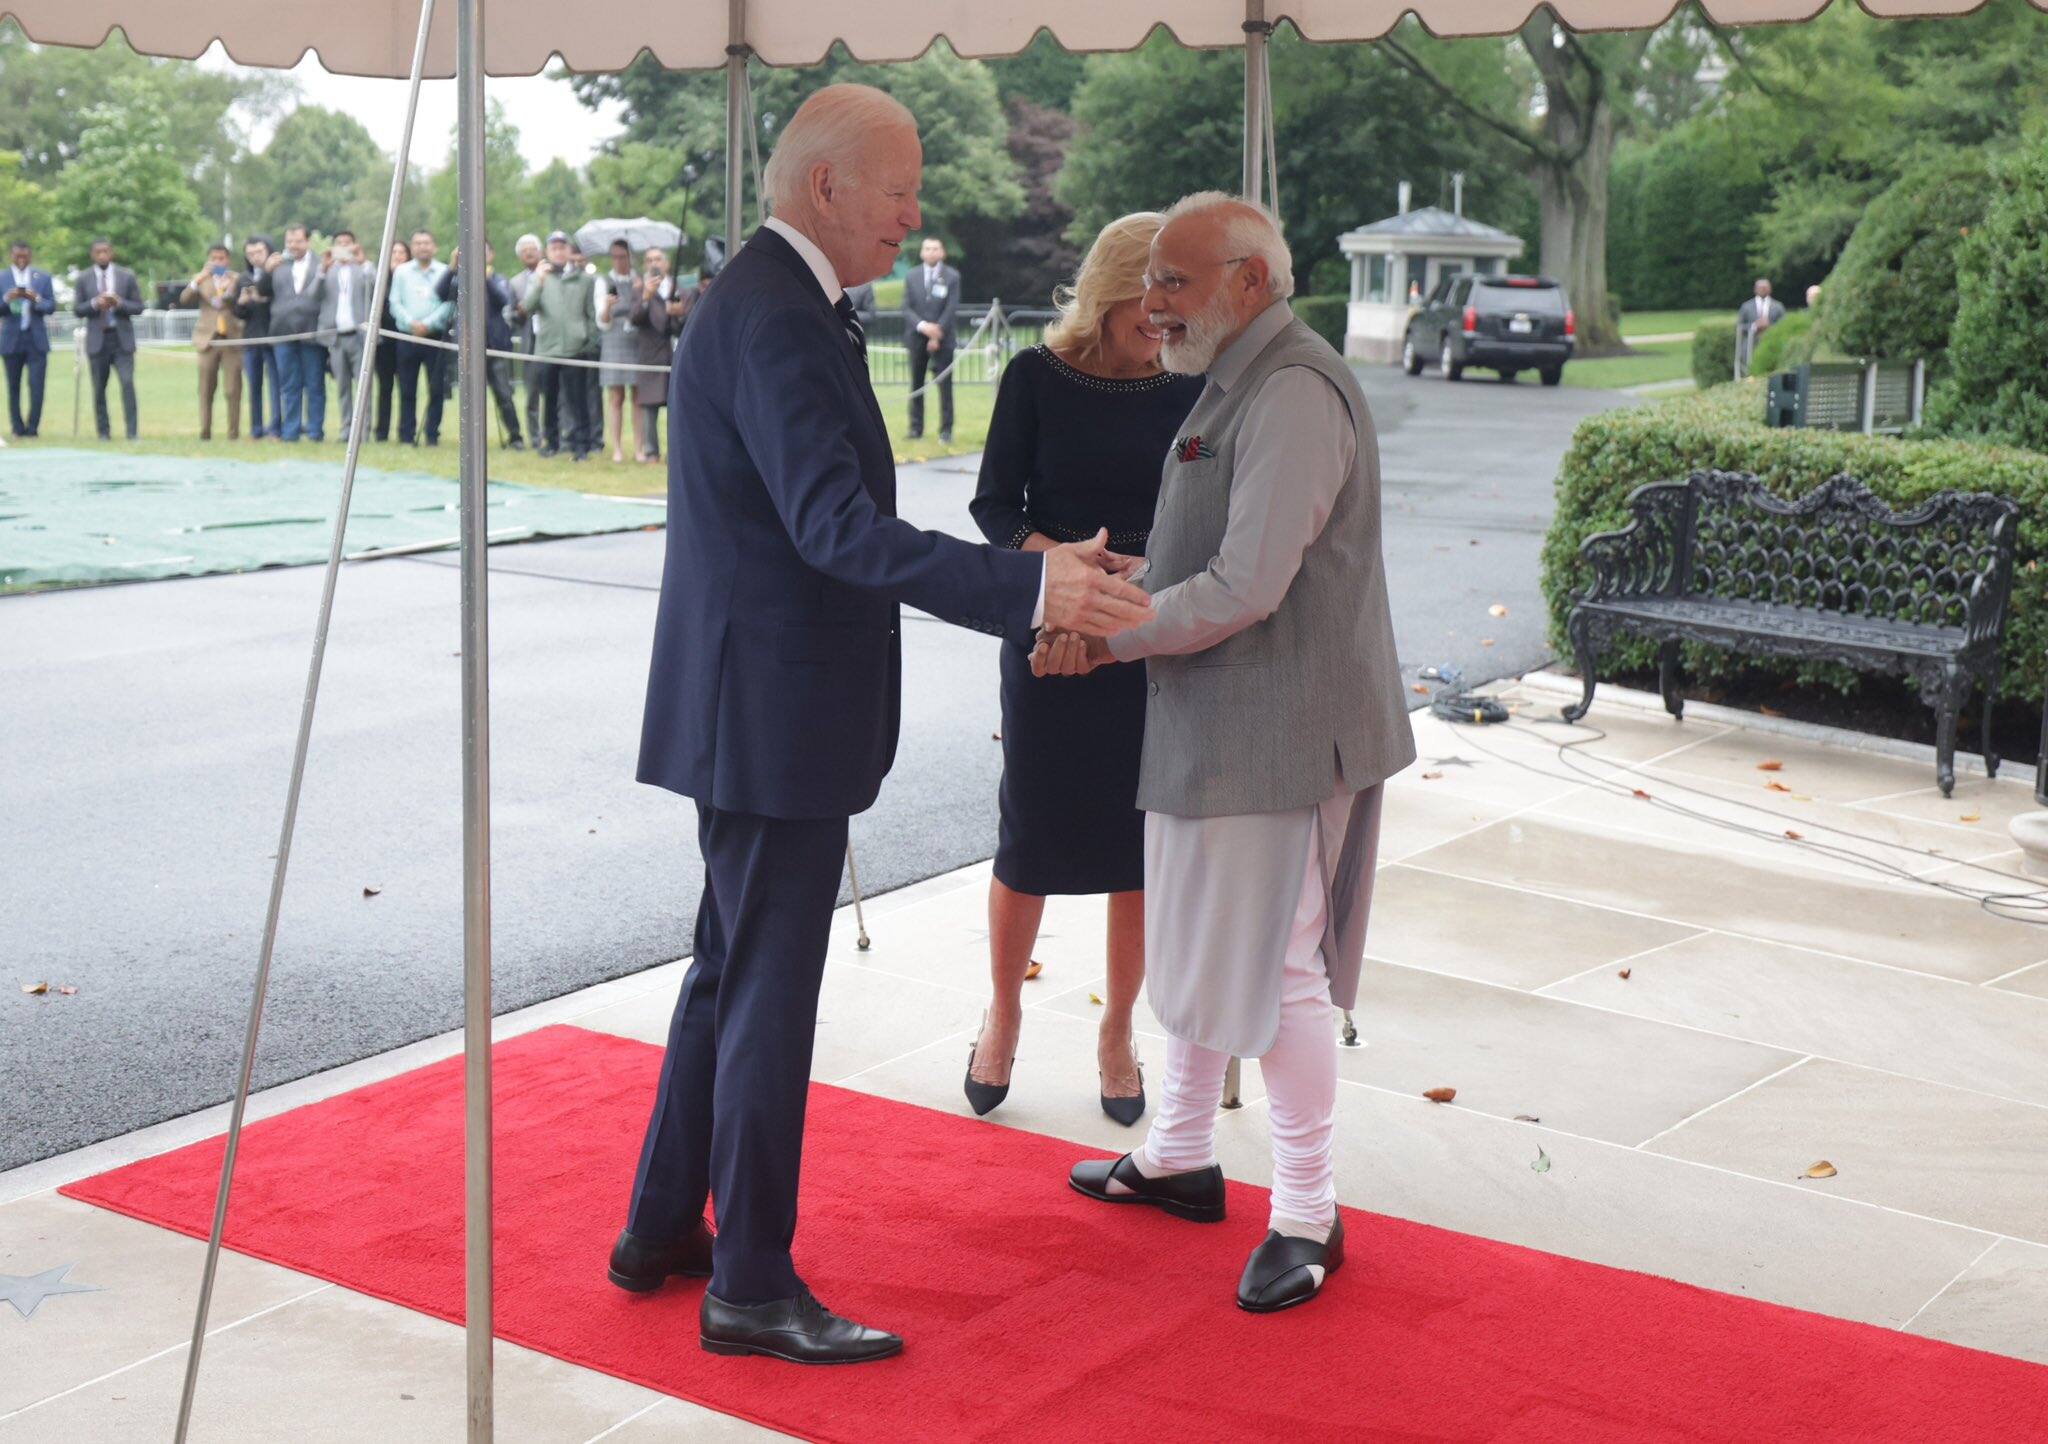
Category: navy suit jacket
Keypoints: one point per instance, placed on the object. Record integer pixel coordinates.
(33, 337)
(777, 675)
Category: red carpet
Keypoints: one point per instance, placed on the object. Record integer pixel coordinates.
(1032, 1313)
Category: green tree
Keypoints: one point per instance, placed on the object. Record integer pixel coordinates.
(557, 197)
(46, 90)
(127, 185)
(505, 189)
(1162, 121)
(308, 172)
(1894, 291)
(1997, 384)
(1681, 209)
(26, 212)
(1041, 73)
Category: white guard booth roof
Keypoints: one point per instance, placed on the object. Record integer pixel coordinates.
(375, 37)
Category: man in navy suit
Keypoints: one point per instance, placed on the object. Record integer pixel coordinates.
(25, 338)
(109, 299)
(774, 695)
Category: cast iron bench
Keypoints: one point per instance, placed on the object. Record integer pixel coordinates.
(1836, 576)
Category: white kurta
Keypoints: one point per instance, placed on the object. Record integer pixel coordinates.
(1220, 896)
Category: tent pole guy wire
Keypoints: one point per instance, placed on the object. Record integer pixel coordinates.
(357, 427)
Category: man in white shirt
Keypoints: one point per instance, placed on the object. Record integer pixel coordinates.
(344, 308)
(109, 299)
(931, 298)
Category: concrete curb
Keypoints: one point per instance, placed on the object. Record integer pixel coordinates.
(1967, 763)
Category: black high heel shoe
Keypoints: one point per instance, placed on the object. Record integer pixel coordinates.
(984, 1098)
(1126, 1111)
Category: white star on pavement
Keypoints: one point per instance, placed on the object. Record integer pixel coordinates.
(27, 1291)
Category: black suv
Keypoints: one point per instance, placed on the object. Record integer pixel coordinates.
(1505, 323)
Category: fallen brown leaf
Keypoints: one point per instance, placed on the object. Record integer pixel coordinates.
(1527, 1118)
(1623, 975)
(1642, 794)
(35, 989)
(373, 891)
(1795, 836)
(1431, 776)
(1971, 817)
(1822, 1169)
(1441, 1095)
(1496, 610)
(1486, 641)
(1095, 999)
(1777, 787)
(1769, 711)
(1773, 765)
(1419, 688)
(1033, 969)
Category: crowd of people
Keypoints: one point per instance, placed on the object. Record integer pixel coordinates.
(283, 323)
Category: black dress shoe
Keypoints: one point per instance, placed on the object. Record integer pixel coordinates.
(643, 1266)
(1196, 1196)
(1285, 1271)
(800, 1330)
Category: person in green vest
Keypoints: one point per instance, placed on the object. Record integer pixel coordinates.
(563, 304)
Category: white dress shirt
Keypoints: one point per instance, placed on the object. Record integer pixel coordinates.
(828, 281)
(299, 272)
(345, 298)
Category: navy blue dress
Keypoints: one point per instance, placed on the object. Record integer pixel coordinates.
(1068, 454)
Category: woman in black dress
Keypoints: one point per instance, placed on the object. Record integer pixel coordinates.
(1081, 428)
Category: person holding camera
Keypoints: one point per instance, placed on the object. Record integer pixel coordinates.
(213, 292)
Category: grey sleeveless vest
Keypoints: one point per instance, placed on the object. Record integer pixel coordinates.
(1308, 702)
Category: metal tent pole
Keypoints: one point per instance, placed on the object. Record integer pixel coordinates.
(291, 803)
(1256, 31)
(736, 53)
(473, 401)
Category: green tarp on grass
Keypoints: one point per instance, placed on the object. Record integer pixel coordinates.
(72, 517)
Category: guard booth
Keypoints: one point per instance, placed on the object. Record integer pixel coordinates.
(1398, 261)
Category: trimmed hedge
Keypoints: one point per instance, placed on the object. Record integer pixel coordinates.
(1893, 292)
(1328, 316)
(1617, 451)
(1784, 345)
(1713, 354)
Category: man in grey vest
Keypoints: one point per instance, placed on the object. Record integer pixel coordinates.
(1275, 713)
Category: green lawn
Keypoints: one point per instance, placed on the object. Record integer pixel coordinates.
(1663, 361)
(166, 384)
(1667, 323)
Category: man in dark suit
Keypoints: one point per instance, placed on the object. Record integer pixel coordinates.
(774, 695)
(298, 285)
(25, 337)
(109, 299)
(931, 299)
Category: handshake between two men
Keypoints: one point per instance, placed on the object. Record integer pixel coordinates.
(1090, 594)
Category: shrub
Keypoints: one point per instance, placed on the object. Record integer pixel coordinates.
(1997, 382)
(1784, 345)
(1617, 451)
(1893, 293)
(1328, 316)
(1713, 354)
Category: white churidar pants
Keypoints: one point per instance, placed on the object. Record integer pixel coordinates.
(1300, 1072)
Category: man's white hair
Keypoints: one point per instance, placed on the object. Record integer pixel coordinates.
(529, 239)
(1249, 229)
(831, 128)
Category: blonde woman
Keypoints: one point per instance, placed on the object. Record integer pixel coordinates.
(1081, 429)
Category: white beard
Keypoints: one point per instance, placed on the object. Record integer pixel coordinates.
(1206, 333)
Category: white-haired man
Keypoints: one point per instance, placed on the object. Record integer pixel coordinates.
(1275, 713)
(527, 248)
(774, 696)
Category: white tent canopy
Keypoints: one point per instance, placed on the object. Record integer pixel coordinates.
(375, 37)
(472, 38)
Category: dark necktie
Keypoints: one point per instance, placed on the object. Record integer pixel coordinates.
(850, 318)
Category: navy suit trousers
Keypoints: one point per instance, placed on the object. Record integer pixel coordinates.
(728, 1115)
